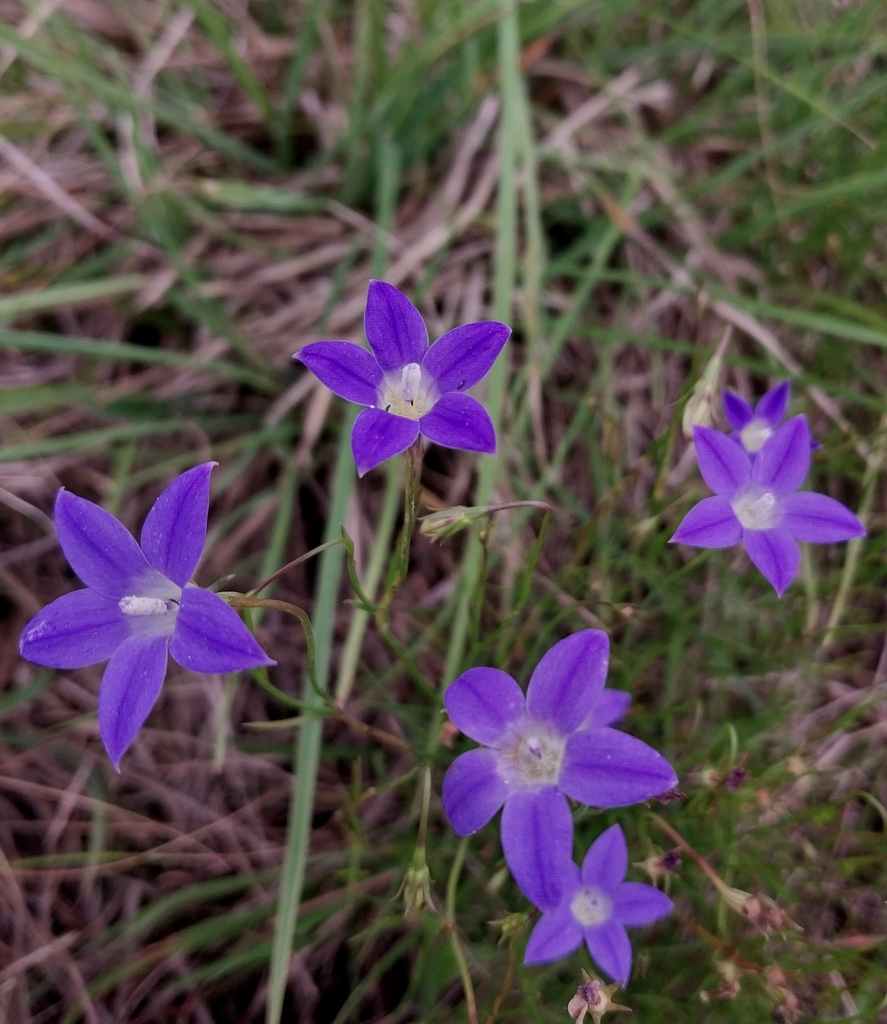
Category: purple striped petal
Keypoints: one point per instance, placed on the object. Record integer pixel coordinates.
(460, 421)
(724, 466)
(738, 412)
(568, 681)
(537, 840)
(775, 554)
(607, 768)
(556, 935)
(483, 703)
(459, 359)
(394, 327)
(774, 404)
(611, 706)
(99, 548)
(377, 435)
(78, 629)
(784, 461)
(637, 904)
(348, 370)
(710, 524)
(610, 949)
(175, 529)
(606, 862)
(473, 790)
(209, 636)
(130, 688)
(819, 519)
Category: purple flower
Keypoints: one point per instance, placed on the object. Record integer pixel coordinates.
(597, 905)
(755, 502)
(139, 606)
(752, 427)
(537, 752)
(409, 387)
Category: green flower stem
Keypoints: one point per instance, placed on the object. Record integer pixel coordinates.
(458, 952)
(242, 601)
(412, 489)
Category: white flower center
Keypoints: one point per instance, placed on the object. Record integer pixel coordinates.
(532, 755)
(754, 434)
(135, 605)
(591, 906)
(150, 615)
(757, 509)
(408, 392)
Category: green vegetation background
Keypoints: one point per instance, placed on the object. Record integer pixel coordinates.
(663, 199)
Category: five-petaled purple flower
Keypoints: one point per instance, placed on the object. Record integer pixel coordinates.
(139, 606)
(755, 502)
(597, 905)
(409, 387)
(753, 426)
(537, 752)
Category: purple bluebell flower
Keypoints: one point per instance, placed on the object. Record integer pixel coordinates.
(537, 752)
(753, 426)
(408, 387)
(138, 606)
(596, 905)
(755, 502)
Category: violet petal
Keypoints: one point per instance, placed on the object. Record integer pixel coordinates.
(606, 862)
(637, 904)
(460, 421)
(611, 706)
(209, 636)
(348, 370)
(556, 935)
(175, 529)
(711, 523)
(130, 688)
(378, 435)
(483, 702)
(77, 629)
(473, 790)
(459, 359)
(537, 840)
(783, 462)
(775, 554)
(567, 682)
(774, 404)
(607, 768)
(819, 519)
(99, 548)
(724, 465)
(394, 327)
(610, 949)
(738, 412)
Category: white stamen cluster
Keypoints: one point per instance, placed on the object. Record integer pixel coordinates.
(133, 604)
(591, 906)
(533, 755)
(754, 434)
(408, 392)
(757, 509)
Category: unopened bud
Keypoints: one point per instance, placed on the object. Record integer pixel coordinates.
(735, 777)
(415, 889)
(450, 521)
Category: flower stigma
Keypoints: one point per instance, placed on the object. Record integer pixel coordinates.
(754, 434)
(408, 392)
(591, 906)
(534, 756)
(757, 509)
